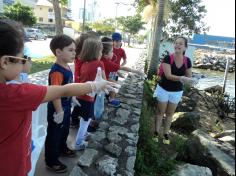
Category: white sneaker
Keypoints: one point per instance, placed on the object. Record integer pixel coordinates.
(81, 146)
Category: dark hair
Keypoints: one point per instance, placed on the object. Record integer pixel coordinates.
(91, 49)
(80, 40)
(107, 45)
(60, 42)
(11, 37)
(185, 41)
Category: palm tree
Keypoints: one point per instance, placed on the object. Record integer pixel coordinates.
(57, 11)
(157, 34)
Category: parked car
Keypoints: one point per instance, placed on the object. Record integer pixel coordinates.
(35, 34)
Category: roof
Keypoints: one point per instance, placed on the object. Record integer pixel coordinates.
(204, 39)
(44, 3)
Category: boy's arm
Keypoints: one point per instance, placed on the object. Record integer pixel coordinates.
(56, 78)
(132, 70)
(124, 58)
(124, 62)
(68, 90)
(57, 105)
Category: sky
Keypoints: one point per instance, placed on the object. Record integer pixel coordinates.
(220, 17)
(114, 9)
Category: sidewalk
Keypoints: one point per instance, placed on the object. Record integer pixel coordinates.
(41, 79)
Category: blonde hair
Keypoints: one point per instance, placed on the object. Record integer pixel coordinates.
(91, 49)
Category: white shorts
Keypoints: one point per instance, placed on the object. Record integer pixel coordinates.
(166, 96)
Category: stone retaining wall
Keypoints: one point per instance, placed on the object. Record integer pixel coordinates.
(113, 147)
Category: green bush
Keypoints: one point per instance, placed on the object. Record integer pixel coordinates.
(42, 64)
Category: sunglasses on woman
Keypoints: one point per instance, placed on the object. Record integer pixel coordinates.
(15, 59)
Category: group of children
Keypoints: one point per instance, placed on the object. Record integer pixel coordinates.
(91, 53)
(17, 101)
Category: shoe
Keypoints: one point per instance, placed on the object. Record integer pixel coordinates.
(91, 129)
(166, 139)
(58, 167)
(87, 136)
(81, 146)
(156, 136)
(114, 103)
(93, 126)
(68, 153)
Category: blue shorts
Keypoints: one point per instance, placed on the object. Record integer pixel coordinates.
(165, 96)
(86, 111)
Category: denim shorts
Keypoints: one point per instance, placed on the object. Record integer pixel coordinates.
(166, 96)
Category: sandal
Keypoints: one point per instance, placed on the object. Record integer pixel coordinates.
(58, 168)
(68, 153)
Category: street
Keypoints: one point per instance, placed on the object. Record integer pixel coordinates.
(38, 48)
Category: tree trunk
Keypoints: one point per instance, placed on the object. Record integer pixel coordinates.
(58, 20)
(157, 40)
(151, 42)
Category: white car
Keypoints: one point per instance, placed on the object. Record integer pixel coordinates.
(35, 34)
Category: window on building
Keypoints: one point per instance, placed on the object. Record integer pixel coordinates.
(50, 10)
(50, 20)
(40, 19)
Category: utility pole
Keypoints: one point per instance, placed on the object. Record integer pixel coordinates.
(117, 4)
(84, 14)
(225, 76)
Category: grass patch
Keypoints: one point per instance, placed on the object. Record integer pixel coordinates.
(154, 159)
(42, 64)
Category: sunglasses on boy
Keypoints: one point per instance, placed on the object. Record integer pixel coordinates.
(15, 59)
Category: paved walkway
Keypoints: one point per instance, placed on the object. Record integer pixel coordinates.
(41, 79)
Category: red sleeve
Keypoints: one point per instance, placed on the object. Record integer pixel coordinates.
(78, 65)
(56, 78)
(24, 96)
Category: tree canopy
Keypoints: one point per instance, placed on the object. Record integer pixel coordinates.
(19, 12)
(105, 27)
(131, 24)
(184, 16)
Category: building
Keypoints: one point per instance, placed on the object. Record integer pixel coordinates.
(77, 10)
(215, 41)
(46, 17)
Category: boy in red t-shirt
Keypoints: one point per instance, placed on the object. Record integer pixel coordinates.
(112, 67)
(118, 52)
(17, 101)
(118, 55)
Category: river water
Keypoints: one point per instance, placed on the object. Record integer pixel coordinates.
(213, 78)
